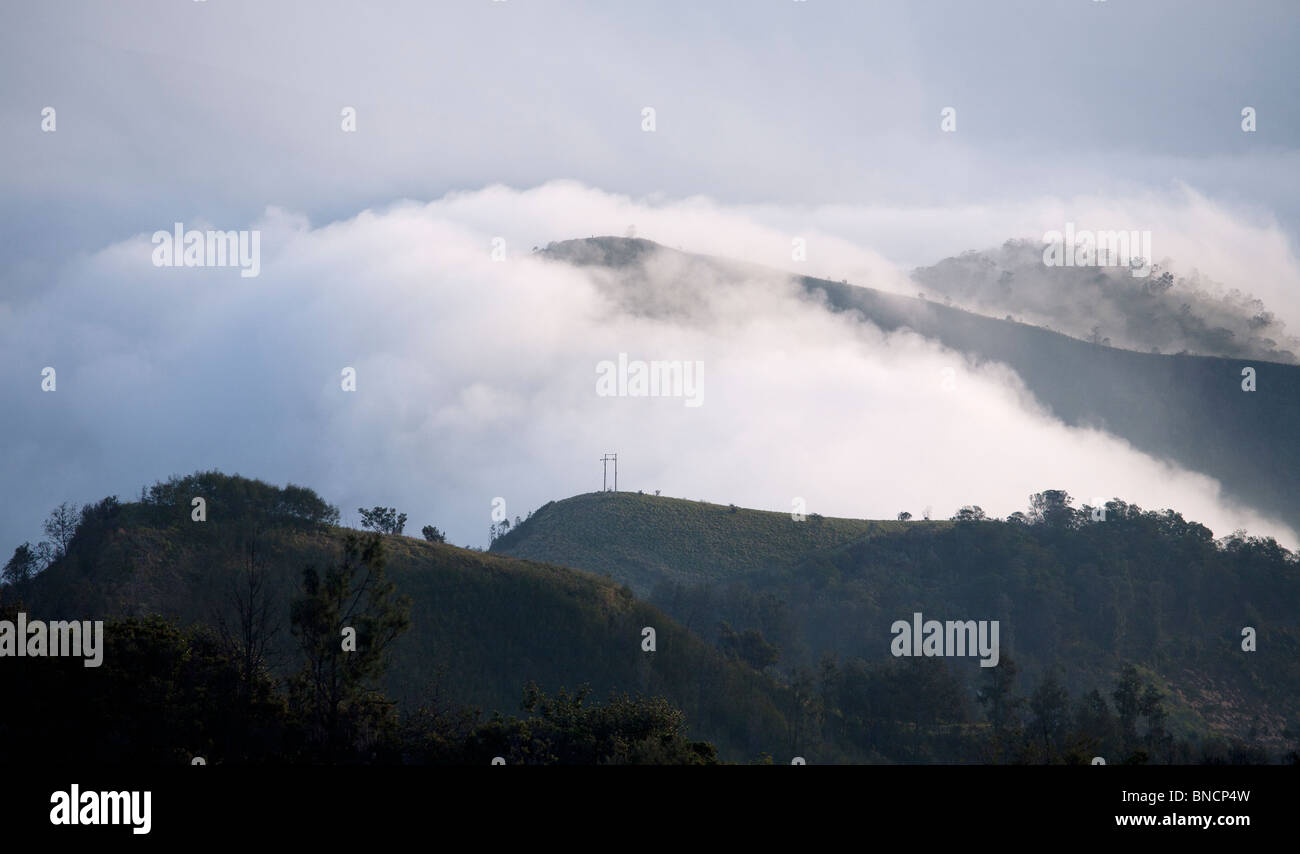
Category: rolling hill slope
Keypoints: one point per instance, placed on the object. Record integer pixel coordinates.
(1188, 409)
(1073, 597)
(642, 540)
(482, 625)
(773, 635)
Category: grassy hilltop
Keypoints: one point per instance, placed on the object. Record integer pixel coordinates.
(641, 540)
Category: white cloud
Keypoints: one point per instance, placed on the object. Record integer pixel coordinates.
(476, 378)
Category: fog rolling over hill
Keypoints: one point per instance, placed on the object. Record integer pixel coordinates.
(1158, 312)
(482, 374)
(693, 383)
(1192, 410)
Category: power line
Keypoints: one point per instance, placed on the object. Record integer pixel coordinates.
(605, 472)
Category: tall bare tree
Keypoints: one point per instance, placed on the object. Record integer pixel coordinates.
(60, 526)
(252, 636)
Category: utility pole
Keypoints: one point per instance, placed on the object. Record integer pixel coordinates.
(604, 480)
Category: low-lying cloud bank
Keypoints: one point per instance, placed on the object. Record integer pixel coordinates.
(476, 378)
(1160, 312)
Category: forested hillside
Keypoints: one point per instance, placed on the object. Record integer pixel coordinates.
(1122, 635)
(481, 627)
(1077, 598)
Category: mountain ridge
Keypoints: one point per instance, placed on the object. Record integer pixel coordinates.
(1191, 410)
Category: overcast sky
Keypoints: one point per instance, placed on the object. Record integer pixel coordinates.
(772, 118)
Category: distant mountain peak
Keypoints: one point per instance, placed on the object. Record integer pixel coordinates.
(604, 251)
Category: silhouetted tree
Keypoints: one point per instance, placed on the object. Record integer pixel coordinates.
(384, 520)
(256, 616)
(60, 526)
(334, 691)
(1052, 508)
(1049, 707)
(1158, 741)
(22, 566)
(1128, 704)
(997, 695)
